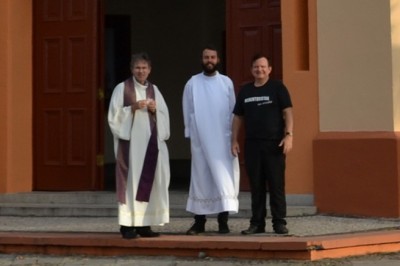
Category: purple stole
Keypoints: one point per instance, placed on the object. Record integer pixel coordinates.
(150, 159)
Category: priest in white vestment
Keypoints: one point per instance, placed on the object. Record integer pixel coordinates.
(139, 121)
(208, 102)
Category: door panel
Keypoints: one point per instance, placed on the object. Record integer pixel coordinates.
(253, 26)
(65, 94)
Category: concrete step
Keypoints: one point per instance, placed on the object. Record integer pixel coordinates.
(104, 204)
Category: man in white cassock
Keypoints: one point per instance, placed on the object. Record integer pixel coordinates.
(208, 102)
(139, 121)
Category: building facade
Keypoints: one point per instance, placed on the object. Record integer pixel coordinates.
(340, 60)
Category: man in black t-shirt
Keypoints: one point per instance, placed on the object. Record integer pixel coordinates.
(265, 108)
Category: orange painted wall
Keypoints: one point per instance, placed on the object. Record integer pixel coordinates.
(4, 94)
(356, 173)
(16, 100)
(301, 77)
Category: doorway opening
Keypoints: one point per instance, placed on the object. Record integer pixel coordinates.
(173, 34)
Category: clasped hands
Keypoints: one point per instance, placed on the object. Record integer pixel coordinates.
(150, 104)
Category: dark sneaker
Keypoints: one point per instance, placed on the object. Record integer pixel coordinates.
(197, 228)
(280, 229)
(253, 229)
(223, 228)
(146, 232)
(128, 232)
(129, 235)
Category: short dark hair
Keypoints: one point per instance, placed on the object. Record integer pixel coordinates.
(210, 47)
(258, 56)
(142, 56)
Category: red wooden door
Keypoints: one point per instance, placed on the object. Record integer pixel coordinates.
(253, 26)
(66, 106)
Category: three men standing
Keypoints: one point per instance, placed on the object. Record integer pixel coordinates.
(139, 120)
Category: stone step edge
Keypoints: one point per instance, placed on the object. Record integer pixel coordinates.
(176, 197)
(113, 206)
(112, 211)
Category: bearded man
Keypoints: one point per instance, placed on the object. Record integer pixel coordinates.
(208, 102)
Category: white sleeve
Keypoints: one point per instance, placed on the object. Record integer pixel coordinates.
(163, 128)
(120, 118)
(187, 105)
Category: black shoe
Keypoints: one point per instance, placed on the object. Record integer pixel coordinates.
(223, 227)
(146, 232)
(128, 232)
(253, 229)
(197, 228)
(280, 229)
(129, 235)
